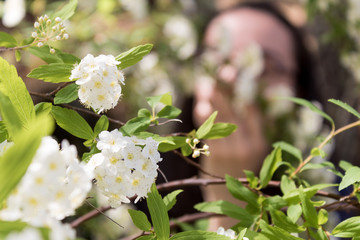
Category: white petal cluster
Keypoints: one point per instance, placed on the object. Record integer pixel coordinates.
(125, 167)
(54, 185)
(26, 233)
(228, 233)
(99, 80)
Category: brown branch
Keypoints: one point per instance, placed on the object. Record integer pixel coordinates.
(89, 215)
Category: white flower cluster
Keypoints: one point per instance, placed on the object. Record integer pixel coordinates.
(228, 233)
(54, 185)
(125, 167)
(99, 80)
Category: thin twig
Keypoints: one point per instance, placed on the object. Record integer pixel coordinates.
(196, 165)
(102, 213)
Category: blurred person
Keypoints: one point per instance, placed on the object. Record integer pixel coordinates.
(258, 55)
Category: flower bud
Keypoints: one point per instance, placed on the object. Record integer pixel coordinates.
(196, 153)
(58, 38)
(188, 141)
(40, 44)
(48, 22)
(36, 24)
(41, 19)
(52, 51)
(66, 36)
(196, 141)
(58, 19)
(206, 147)
(46, 17)
(34, 34)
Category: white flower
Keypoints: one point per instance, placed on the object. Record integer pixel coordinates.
(99, 80)
(182, 36)
(14, 12)
(54, 185)
(228, 233)
(126, 166)
(27, 233)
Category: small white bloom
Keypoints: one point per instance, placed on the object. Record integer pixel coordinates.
(40, 44)
(58, 19)
(26, 233)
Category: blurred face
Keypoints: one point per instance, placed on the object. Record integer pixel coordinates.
(231, 33)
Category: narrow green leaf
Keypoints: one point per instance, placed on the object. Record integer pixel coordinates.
(239, 191)
(146, 237)
(241, 234)
(143, 112)
(3, 131)
(274, 202)
(133, 55)
(165, 99)
(140, 220)
(198, 235)
(186, 150)
(135, 125)
(275, 233)
(158, 212)
(173, 143)
(15, 161)
(205, 128)
(72, 122)
(43, 108)
(322, 217)
(67, 95)
(169, 112)
(170, 199)
(253, 180)
(287, 184)
(310, 166)
(220, 130)
(289, 148)
(6, 40)
(53, 72)
(347, 228)
(312, 107)
(66, 11)
(228, 209)
(10, 117)
(309, 210)
(282, 221)
(101, 125)
(345, 165)
(13, 87)
(315, 152)
(294, 212)
(346, 107)
(17, 55)
(352, 175)
(269, 167)
(57, 57)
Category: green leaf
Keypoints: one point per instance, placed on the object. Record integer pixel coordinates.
(169, 112)
(165, 99)
(140, 220)
(313, 108)
(101, 125)
(158, 212)
(309, 210)
(93, 150)
(205, 128)
(287, 184)
(11, 119)
(310, 166)
(57, 57)
(13, 87)
(292, 197)
(15, 161)
(67, 95)
(274, 233)
(228, 209)
(322, 217)
(6, 40)
(220, 130)
(198, 235)
(143, 112)
(241, 234)
(3, 131)
(352, 175)
(253, 180)
(72, 122)
(289, 149)
(146, 237)
(43, 108)
(345, 165)
(269, 167)
(282, 221)
(135, 125)
(66, 11)
(294, 212)
(133, 55)
(239, 191)
(348, 228)
(170, 199)
(186, 150)
(346, 107)
(17, 55)
(315, 152)
(274, 202)
(53, 72)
